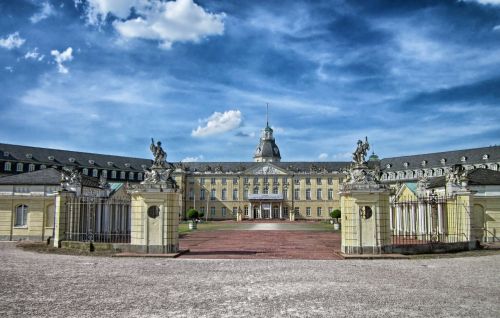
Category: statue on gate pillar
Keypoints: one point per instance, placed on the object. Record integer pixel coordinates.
(359, 154)
(160, 156)
(159, 175)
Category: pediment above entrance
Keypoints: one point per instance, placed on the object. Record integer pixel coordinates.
(265, 169)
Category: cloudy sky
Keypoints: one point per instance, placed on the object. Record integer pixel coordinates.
(107, 75)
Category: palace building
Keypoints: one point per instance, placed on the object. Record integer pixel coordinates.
(265, 188)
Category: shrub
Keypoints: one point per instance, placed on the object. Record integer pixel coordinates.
(192, 214)
(335, 214)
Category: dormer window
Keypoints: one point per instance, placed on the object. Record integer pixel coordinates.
(388, 166)
(29, 156)
(143, 166)
(51, 158)
(6, 154)
(127, 165)
(424, 163)
(91, 161)
(71, 159)
(486, 157)
(110, 163)
(463, 159)
(406, 164)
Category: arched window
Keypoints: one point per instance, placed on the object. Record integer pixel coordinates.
(139, 176)
(7, 166)
(31, 167)
(113, 174)
(212, 194)
(19, 167)
(122, 175)
(224, 194)
(21, 215)
(94, 173)
(131, 175)
(85, 171)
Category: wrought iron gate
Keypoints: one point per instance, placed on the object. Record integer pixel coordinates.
(429, 220)
(95, 219)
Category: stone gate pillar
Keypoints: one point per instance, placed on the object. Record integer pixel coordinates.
(364, 203)
(61, 215)
(155, 220)
(365, 221)
(155, 208)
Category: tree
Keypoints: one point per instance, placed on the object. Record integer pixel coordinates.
(192, 214)
(335, 214)
(201, 215)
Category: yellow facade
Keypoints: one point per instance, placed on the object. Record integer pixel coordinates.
(221, 196)
(39, 217)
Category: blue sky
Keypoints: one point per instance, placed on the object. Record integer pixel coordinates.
(107, 75)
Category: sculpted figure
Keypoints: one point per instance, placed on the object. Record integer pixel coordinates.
(359, 154)
(159, 154)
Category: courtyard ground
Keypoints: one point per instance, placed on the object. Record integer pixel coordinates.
(48, 285)
(283, 240)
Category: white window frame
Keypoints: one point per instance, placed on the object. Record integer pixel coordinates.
(21, 216)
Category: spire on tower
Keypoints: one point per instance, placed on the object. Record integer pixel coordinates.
(267, 114)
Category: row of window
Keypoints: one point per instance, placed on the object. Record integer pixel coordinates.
(412, 174)
(234, 211)
(88, 172)
(296, 195)
(246, 180)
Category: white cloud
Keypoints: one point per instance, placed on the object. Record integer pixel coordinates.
(60, 57)
(12, 41)
(9, 69)
(323, 156)
(34, 55)
(496, 28)
(98, 10)
(219, 123)
(166, 22)
(46, 11)
(485, 2)
(193, 159)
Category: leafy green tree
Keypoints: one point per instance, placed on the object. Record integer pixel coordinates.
(192, 214)
(336, 214)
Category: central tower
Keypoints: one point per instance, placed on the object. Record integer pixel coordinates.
(267, 150)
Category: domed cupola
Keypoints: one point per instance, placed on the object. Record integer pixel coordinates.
(267, 150)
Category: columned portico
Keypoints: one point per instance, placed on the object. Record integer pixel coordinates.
(268, 206)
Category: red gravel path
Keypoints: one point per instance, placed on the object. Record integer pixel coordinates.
(261, 244)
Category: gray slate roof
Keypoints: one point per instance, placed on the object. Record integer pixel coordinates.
(61, 158)
(434, 159)
(17, 153)
(476, 177)
(49, 176)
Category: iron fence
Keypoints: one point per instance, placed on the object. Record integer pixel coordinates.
(429, 220)
(94, 219)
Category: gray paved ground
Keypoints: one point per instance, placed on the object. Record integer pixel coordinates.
(45, 285)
